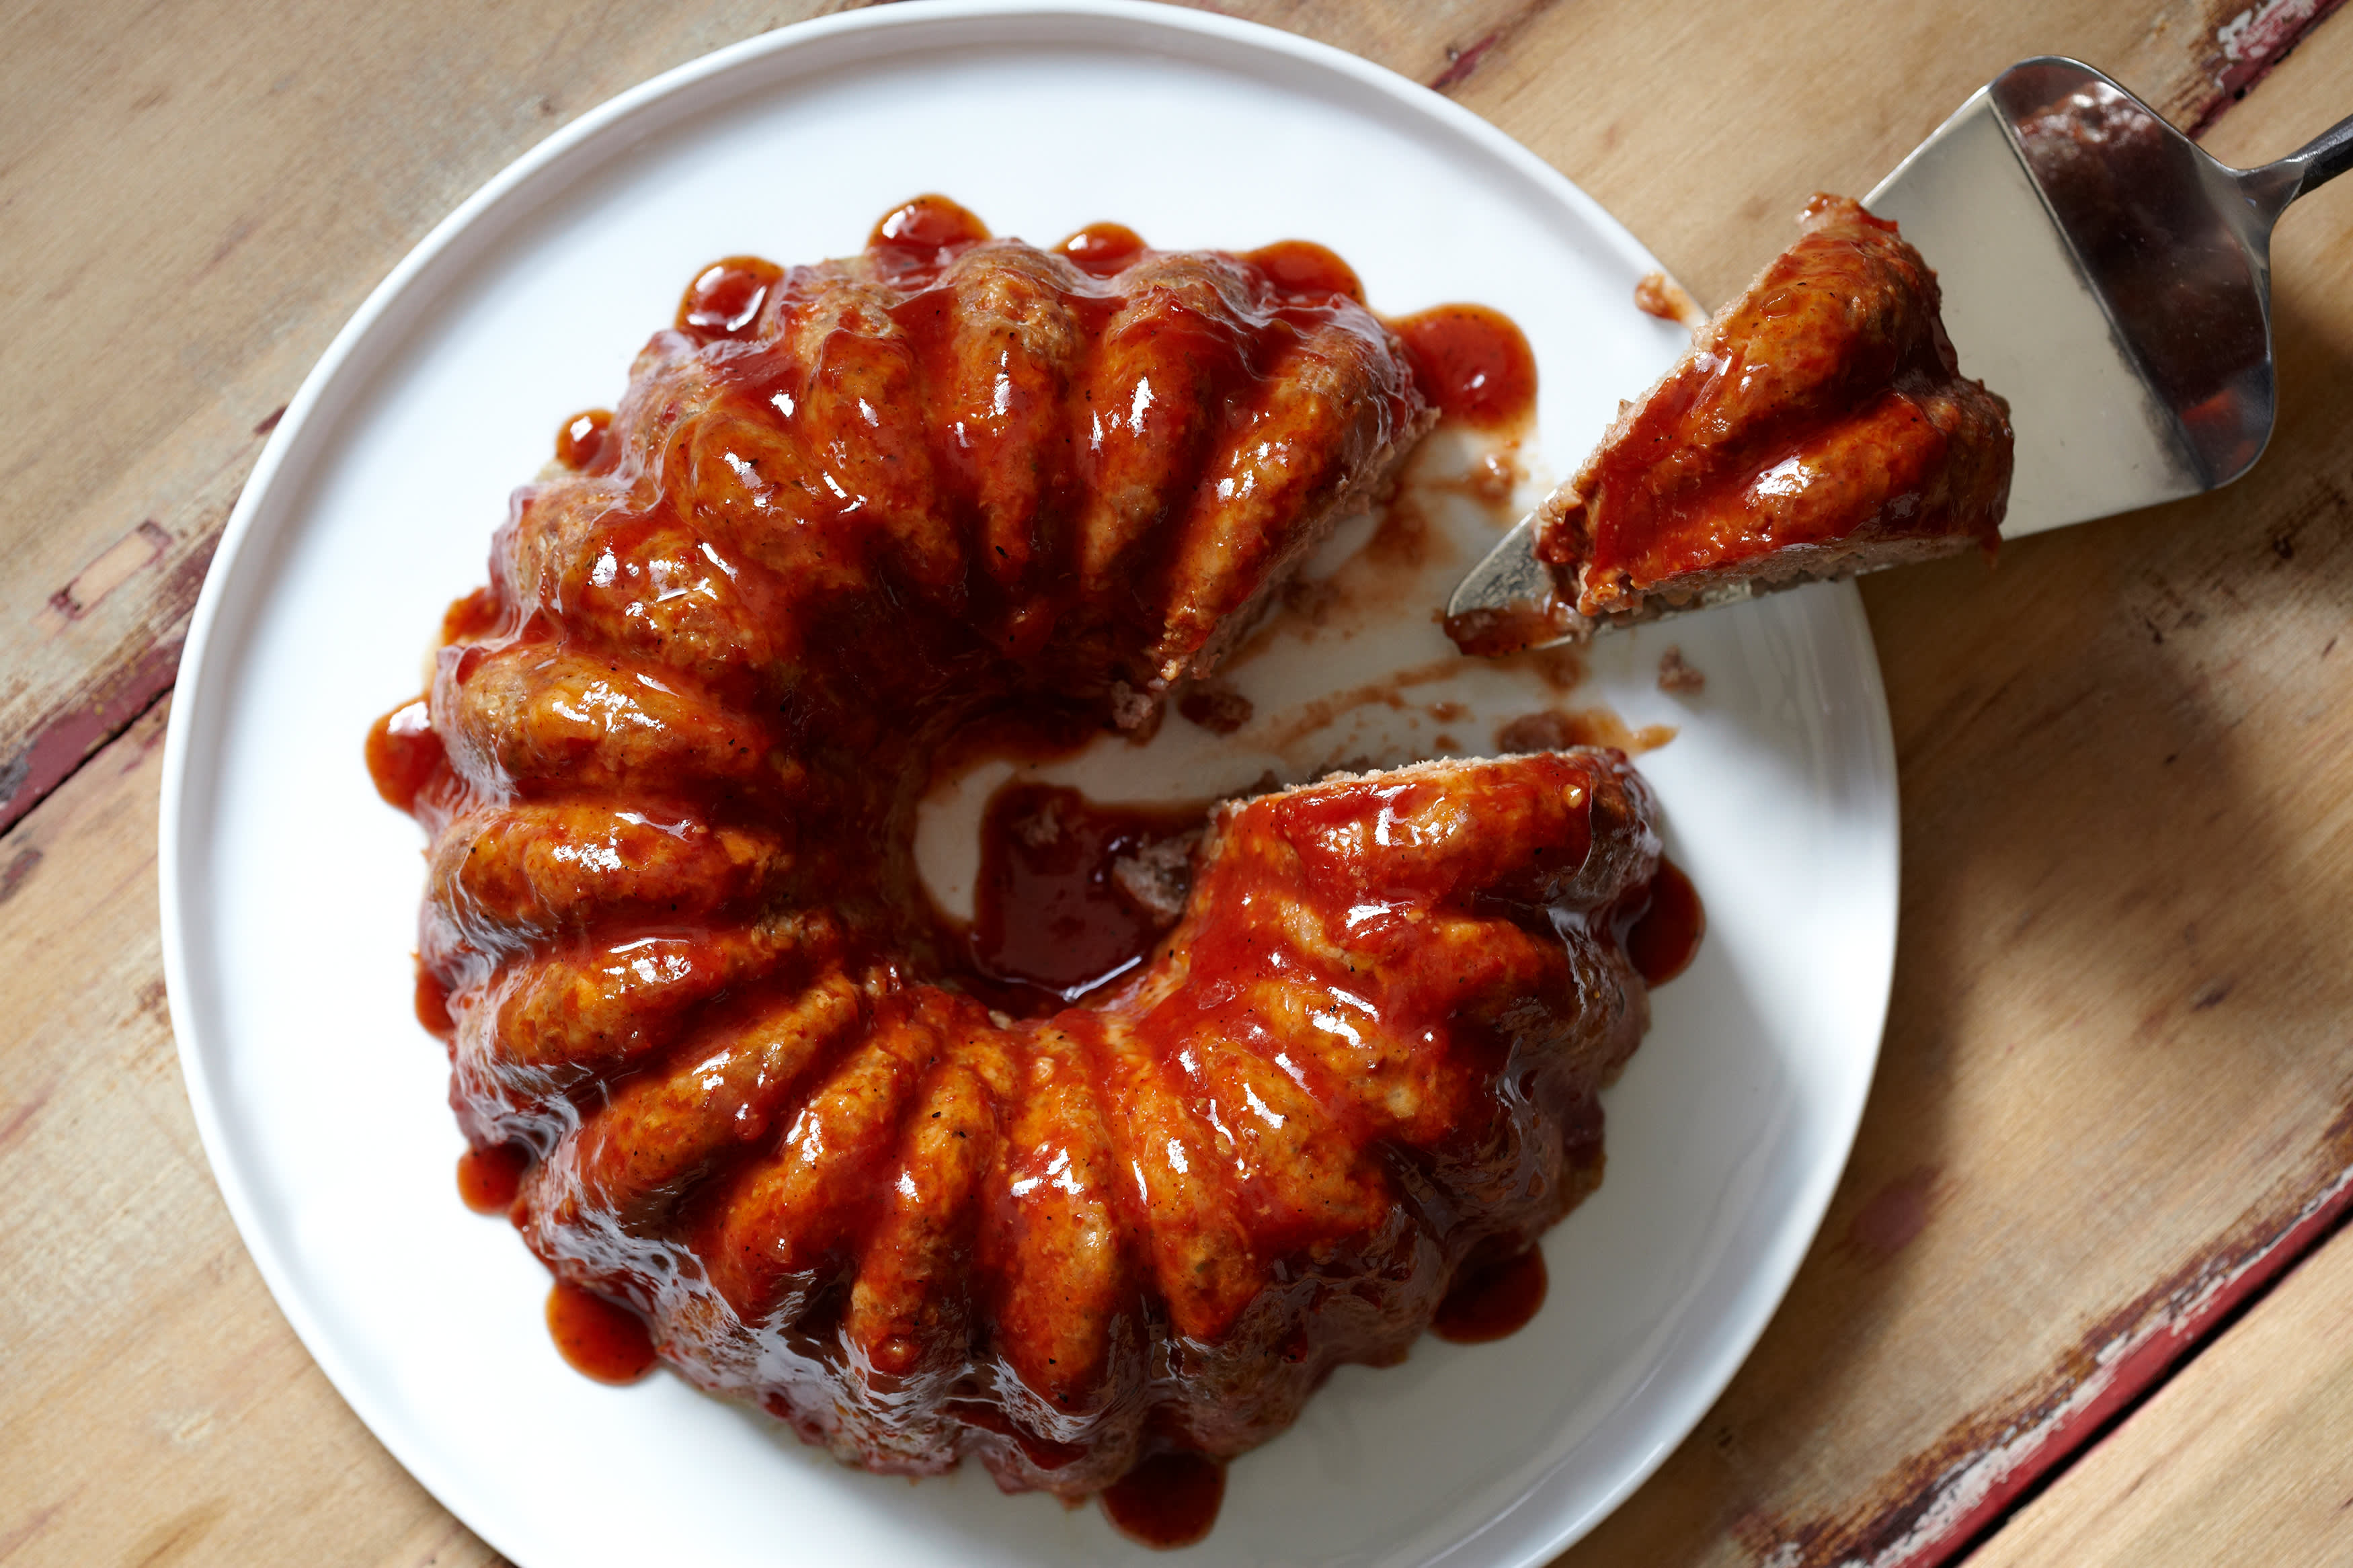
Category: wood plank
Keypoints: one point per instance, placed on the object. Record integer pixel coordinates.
(157, 1409)
(2114, 1090)
(1703, 128)
(2246, 1456)
(312, 184)
(250, 198)
(196, 204)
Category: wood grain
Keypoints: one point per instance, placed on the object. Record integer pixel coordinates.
(253, 195)
(157, 1409)
(2116, 1081)
(2246, 1456)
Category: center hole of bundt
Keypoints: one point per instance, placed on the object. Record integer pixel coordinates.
(1047, 894)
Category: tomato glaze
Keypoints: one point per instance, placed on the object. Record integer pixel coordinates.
(1664, 938)
(1491, 1298)
(403, 753)
(1474, 363)
(1169, 1500)
(489, 1177)
(600, 1339)
(582, 440)
(796, 797)
(433, 1005)
(1072, 894)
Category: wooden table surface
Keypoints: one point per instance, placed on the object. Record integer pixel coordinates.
(2082, 1297)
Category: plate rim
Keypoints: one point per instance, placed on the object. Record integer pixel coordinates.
(242, 542)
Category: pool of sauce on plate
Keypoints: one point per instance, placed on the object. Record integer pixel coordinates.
(488, 1178)
(1472, 363)
(1169, 1500)
(1050, 920)
(403, 751)
(600, 1339)
(1492, 1297)
(1664, 938)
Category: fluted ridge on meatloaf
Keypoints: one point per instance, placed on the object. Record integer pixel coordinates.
(1819, 425)
(843, 513)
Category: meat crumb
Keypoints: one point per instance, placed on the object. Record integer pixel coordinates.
(1136, 713)
(1040, 828)
(1674, 675)
(1216, 707)
(1158, 877)
(1660, 295)
(1545, 731)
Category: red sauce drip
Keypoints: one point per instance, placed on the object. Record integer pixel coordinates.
(582, 440)
(1051, 917)
(475, 616)
(1492, 1297)
(1100, 249)
(433, 1005)
(1665, 936)
(599, 1339)
(1513, 628)
(403, 753)
(1474, 363)
(1303, 266)
(929, 223)
(1169, 1500)
(488, 1178)
(469, 660)
(726, 297)
(1217, 708)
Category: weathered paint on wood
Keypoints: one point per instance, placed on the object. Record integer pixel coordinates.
(2245, 1456)
(2114, 1097)
(157, 1409)
(2115, 1088)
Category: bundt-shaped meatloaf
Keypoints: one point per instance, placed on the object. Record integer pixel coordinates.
(671, 761)
(1818, 426)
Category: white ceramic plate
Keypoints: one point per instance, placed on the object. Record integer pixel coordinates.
(289, 890)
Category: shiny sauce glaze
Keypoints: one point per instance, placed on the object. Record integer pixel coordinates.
(725, 297)
(1168, 371)
(1100, 249)
(1492, 1297)
(581, 442)
(403, 753)
(489, 1177)
(1474, 363)
(1169, 1500)
(1822, 408)
(432, 1005)
(778, 715)
(1072, 895)
(1662, 940)
(599, 1339)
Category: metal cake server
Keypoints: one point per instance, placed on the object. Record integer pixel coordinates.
(2102, 273)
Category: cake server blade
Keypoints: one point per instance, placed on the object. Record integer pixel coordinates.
(2102, 273)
